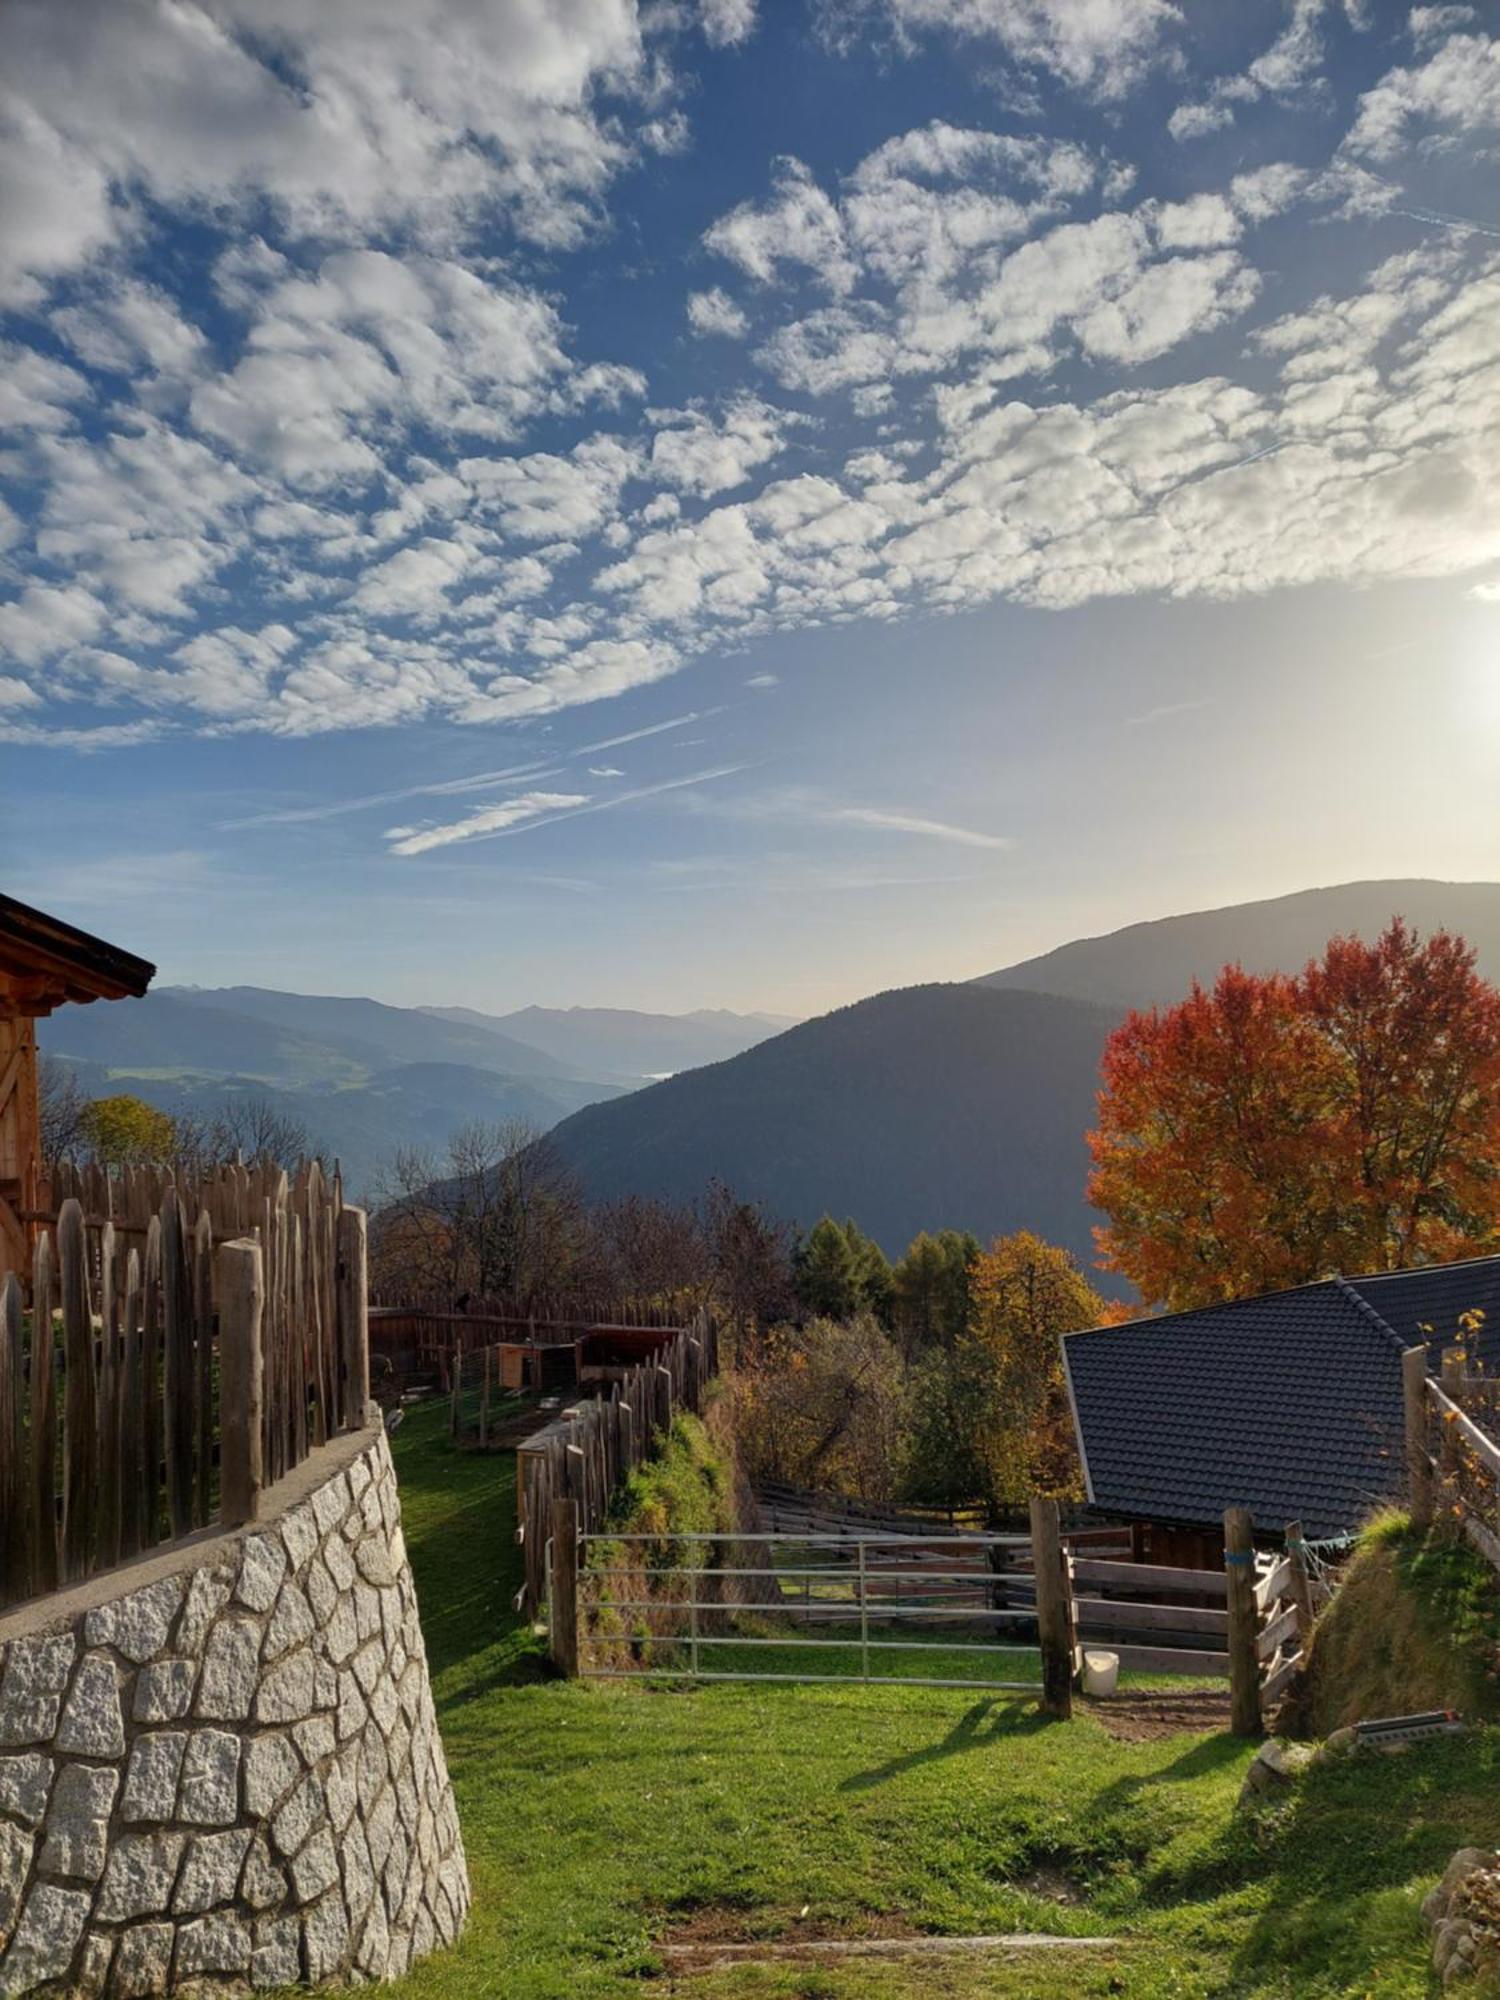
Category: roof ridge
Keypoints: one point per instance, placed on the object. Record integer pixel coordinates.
(1357, 1299)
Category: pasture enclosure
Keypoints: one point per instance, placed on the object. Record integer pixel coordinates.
(586, 1452)
(923, 1607)
(178, 1343)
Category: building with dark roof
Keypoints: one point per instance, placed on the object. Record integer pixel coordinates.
(43, 963)
(1289, 1404)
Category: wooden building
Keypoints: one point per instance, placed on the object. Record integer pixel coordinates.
(1289, 1403)
(43, 964)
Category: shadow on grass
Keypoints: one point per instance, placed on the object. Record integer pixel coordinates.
(981, 1725)
(1360, 1834)
(1210, 1754)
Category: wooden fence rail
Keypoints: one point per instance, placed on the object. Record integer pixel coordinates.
(586, 1453)
(1452, 1456)
(177, 1344)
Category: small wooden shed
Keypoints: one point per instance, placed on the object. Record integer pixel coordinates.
(43, 963)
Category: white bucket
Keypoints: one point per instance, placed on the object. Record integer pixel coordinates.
(1100, 1672)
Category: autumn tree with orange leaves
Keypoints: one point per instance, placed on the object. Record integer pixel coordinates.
(1275, 1130)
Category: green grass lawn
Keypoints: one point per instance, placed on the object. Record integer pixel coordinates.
(600, 1819)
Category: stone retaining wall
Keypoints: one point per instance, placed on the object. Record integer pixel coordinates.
(231, 1775)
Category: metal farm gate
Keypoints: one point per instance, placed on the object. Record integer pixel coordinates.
(944, 1612)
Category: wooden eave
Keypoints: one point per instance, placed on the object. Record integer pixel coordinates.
(45, 962)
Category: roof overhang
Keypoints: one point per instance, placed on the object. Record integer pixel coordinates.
(45, 963)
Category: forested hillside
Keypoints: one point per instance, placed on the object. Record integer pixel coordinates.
(930, 1107)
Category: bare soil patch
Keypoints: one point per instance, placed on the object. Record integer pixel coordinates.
(1142, 1718)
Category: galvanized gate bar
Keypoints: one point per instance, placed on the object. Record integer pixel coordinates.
(859, 1582)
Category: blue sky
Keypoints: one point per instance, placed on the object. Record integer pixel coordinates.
(731, 503)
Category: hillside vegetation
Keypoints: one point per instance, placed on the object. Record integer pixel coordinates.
(1415, 1626)
(929, 1108)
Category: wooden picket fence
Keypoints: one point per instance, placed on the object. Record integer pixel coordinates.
(181, 1342)
(586, 1452)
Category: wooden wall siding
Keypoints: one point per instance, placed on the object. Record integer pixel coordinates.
(587, 1452)
(20, 1142)
(113, 1425)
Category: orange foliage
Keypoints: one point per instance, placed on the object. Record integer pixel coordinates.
(1275, 1130)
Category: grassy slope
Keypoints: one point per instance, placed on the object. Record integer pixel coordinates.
(1415, 1625)
(595, 1819)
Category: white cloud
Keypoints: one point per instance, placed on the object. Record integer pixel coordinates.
(714, 311)
(885, 821)
(1486, 593)
(605, 771)
(699, 456)
(1453, 95)
(799, 226)
(408, 840)
(352, 114)
(549, 496)
(727, 23)
(1101, 47)
(1196, 121)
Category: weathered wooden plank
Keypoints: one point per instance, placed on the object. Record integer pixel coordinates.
(110, 1531)
(80, 1398)
(1139, 1579)
(177, 1365)
(241, 1291)
(152, 1403)
(1275, 1583)
(1244, 1667)
(15, 1492)
(1096, 1612)
(353, 1316)
(1484, 1539)
(1270, 1639)
(203, 1365)
(44, 1544)
(1280, 1678)
(130, 1414)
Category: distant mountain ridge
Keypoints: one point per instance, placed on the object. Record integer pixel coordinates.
(922, 1108)
(1153, 964)
(908, 1112)
(622, 1042)
(936, 1105)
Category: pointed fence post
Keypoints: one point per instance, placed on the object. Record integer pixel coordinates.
(1418, 1463)
(564, 1606)
(352, 1311)
(1244, 1662)
(1054, 1623)
(240, 1284)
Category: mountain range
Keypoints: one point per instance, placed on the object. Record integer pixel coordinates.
(928, 1106)
(967, 1105)
(364, 1078)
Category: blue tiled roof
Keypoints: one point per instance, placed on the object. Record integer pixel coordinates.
(1289, 1404)
(1425, 1304)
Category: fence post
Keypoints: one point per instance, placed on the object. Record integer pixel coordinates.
(456, 1376)
(564, 1606)
(864, 1615)
(1418, 1464)
(1244, 1663)
(240, 1284)
(352, 1307)
(80, 1401)
(1051, 1608)
(1296, 1555)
